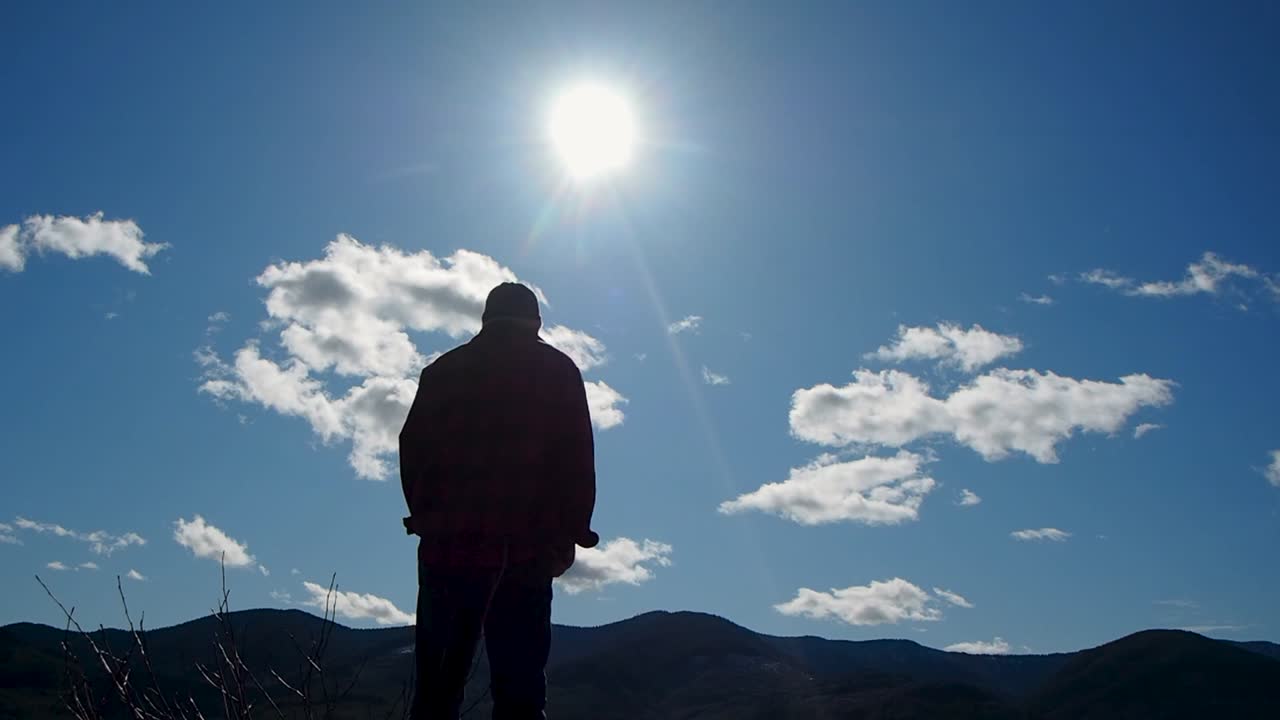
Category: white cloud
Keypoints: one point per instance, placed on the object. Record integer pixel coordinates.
(6, 535)
(621, 560)
(1144, 428)
(1202, 629)
(1272, 471)
(1202, 277)
(878, 603)
(281, 596)
(357, 606)
(1053, 534)
(12, 255)
(954, 598)
(216, 322)
(76, 238)
(969, 498)
(263, 569)
(870, 490)
(585, 351)
(605, 404)
(90, 565)
(100, 542)
(1035, 299)
(1208, 276)
(713, 378)
(690, 323)
(56, 565)
(1106, 278)
(295, 571)
(349, 314)
(997, 413)
(969, 349)
(206, 541)
(981, 647)
(135, 575)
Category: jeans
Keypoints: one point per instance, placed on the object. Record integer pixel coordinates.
(512, 607)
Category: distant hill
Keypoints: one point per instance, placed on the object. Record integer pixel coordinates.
(690, 666)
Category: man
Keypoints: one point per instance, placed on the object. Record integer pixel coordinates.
(498, 468)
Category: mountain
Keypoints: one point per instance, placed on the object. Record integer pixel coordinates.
(688, 666)
(1163, 673)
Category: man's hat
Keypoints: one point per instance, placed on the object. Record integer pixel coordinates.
(511, 300)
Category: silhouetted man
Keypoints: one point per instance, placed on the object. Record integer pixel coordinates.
(498, 468)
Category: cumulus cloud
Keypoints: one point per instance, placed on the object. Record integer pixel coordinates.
(1273, 470)
(1048, 533)
(356, 606)
(90, 565)
(1209, 275)
(585, 351)
(56, 565)
(135, 575)
(954, 598)
(1035, 299)
(76, 238)
(349, 314)
(869, 490)
(713, 378)
(690, 323)
(969, 349)
(604, 404)
(12, 255)
(100, 542)
(968, 498)
(981, 647)
(207, 541)
(621, 560)
(878, 603)
(997, 413)
(7, 535)
(1144, 428)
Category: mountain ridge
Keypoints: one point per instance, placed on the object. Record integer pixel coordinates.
(685, 664)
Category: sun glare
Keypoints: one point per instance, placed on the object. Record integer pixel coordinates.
(592, 131)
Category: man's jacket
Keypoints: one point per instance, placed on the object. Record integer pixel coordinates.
(496, 457)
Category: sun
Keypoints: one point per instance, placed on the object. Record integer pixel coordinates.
(592, 131)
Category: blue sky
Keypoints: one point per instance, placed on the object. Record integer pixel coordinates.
(881, 189)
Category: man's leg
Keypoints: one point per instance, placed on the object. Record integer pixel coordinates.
(518, 638)
(451, 608)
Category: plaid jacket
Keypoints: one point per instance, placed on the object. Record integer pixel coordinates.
(496, 457)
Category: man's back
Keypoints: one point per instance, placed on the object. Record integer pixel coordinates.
(497, 450)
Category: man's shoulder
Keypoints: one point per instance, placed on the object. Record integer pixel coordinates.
(445, 360)
(556, 359)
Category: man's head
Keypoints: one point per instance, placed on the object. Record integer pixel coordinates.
(512, 302)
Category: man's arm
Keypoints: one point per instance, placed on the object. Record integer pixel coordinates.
(414, 436)
(579, 463)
